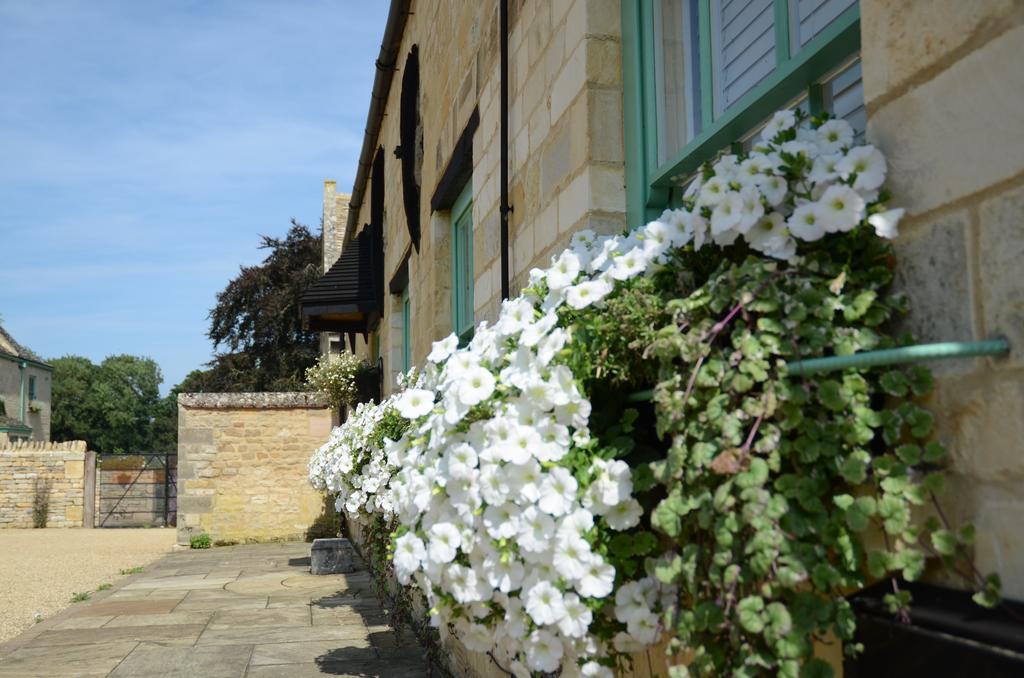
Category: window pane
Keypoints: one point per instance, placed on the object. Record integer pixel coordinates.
(677, 63)
(810, 17)
(743, 45)
(844, 98)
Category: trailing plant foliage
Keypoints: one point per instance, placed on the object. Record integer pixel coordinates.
(558, 523)
(336, 377)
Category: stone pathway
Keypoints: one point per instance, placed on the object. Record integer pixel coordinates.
(252, 611)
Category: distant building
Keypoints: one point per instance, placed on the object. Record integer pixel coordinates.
(24, 392)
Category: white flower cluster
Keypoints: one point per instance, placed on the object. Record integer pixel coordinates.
(349, 466)
(797, 184)
(496, 528)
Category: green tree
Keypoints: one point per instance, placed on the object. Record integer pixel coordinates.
(74, 415)
(113, 406)
(256, 321)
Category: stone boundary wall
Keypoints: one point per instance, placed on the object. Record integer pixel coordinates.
(242, 465)
(30, 467)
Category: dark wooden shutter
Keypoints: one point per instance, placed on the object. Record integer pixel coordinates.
(410, 150)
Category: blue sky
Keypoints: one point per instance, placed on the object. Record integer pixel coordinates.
(145, 147)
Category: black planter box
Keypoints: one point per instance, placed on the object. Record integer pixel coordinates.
(948, 635)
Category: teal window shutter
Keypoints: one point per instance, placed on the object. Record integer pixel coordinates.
(462, 264)
(406, 331)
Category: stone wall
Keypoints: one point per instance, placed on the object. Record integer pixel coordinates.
(944, 91)
(242, 464)
(31, 469)
(565, 138)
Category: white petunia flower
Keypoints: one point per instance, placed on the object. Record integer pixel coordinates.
(578, 616)
(502, 522)
(535, 530)
(445, 540)
(885, 223)
(867, 163)
(440, 350)
(624, 515)
(475, 386)
(409, 553)
(586, 293)
(780, 122)
(415, 403)
(834, 135)
(806, 223)
(728, 213)
(842, 208)
(544, 603)
(558, 492)
(598, 579)
(543, 651)
(564, 270)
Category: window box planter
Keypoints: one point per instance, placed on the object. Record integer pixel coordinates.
(948, 635)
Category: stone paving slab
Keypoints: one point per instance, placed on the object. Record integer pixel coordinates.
(250, 611)
(73, 660)
(153, 661)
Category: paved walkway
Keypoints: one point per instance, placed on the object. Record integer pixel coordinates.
(252, 611)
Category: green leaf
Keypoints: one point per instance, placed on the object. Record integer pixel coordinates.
(858, 516)
(779, 620)
(621, 545)
(860, 305)
(831, 395)
(668, 570)
(920, 379)
(933, 452)
(644, 543)
(755, 476)
(944, 542)
(909, 454)
(750, 613)
(855, 467)
(708, 616)
(878, 563)
(817, 668)
(894, 383)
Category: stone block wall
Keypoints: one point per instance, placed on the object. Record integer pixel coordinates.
(30, 468)
(242, 465)
(565, 149)
(944, 89)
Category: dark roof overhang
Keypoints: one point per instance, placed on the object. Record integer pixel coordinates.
(349, 298)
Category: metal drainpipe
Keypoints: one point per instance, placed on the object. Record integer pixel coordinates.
(21, 391)
(504, 208)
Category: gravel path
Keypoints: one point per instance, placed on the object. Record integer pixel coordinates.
(41, 569)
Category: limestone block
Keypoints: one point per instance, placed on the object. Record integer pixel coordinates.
(982, 422)
(605, 125)
(73, 514)
(902, 38)
(554, 160)
(932, 271)
(1001, 251)
(571, 79)
(957, 133)
(573, 202)
(604, 62)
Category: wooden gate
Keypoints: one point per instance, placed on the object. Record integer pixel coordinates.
(138, 490)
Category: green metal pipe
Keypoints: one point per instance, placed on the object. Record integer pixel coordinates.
(891, 356)
(903, 355)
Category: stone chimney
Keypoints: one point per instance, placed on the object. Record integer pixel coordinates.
(335, 218)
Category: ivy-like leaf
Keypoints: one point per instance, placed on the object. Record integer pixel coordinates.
(750, 611)
(944, 542)
(831, 395)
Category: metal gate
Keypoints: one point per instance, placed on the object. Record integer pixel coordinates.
(138, 490)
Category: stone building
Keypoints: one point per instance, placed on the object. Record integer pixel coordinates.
(612, 105)
(24, 392)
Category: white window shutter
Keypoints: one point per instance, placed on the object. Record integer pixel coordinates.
(743, 46)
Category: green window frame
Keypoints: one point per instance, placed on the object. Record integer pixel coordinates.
(406, 331)
(462, 264)
(651, 186)
(31, 387)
